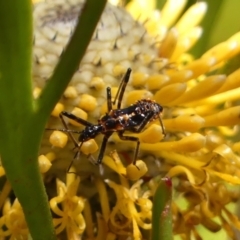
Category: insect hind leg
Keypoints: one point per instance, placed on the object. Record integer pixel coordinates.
(134, 139)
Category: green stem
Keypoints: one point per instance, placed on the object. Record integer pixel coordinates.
(22, 118)
(162, 215)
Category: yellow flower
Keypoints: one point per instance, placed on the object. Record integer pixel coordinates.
(200, 113)
(12, 222)
(68, 206)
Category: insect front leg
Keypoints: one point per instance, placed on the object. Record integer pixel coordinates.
(75, 118)
(144, 122)
(130, 138)
(77, 144)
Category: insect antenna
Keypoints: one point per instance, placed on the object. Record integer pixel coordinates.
(162, 126)
(121, 89)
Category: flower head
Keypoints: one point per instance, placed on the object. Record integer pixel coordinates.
(201, 115)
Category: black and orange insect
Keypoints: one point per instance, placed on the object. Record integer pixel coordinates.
(132, 119)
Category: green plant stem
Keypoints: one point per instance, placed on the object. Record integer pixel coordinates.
(162, 215)
(22, 118)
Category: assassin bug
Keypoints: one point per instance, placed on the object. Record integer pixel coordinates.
(133, 119)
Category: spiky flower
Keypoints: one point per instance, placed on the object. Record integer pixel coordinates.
(200, 114)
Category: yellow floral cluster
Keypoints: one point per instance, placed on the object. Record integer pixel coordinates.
(201, 116)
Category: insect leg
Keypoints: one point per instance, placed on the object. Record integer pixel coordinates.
(130, 138)
(109, 99)
(69, 132)
(76, 156)
(122, 87)
(103, 147)
(144, 122)
(75, 118)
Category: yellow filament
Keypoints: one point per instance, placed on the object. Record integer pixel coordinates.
(155, 82)
(226, 152)
(182, 159)
(185, 42)
(226, 117)
(177, 170)
(135, 95)
(152, 134)
(229, 131)
(171, 11)
(163, 97)
(188, 144)
(88, 219)
(192, 17)
(115, 166)
(184, 123)
(168, 44)
(200, 66)
(226, 177)
(102, 228)
(206, 210)
(230, 95)
(191, 143)
(136, 8)
(180, 76)
(222, 51)
(233, 218)
(103, 198)
(231, 82)
(136, 232)
(211, 225)
(139, 79)
(202, 90)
